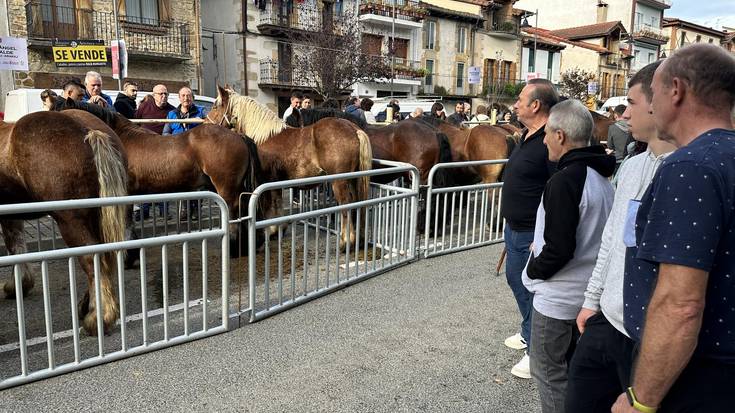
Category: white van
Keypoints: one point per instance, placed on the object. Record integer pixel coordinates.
(407, 106)
(21, 102)
(611, 103)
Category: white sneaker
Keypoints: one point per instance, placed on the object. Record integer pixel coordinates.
(516, 342)
(523, 368)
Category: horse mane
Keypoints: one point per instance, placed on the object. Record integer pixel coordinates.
(252, 118)
(312, 116)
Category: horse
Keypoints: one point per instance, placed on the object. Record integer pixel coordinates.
(48, 156)
(602, 124)
(205, 157)
(330, 146)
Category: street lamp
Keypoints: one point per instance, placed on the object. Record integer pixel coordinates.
(525, 25)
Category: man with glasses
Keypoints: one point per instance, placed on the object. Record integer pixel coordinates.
(156, 107)
(125, 103)
(93, 92)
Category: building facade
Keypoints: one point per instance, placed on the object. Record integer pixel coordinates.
(641, 19)
(682, 33)
(162, 39)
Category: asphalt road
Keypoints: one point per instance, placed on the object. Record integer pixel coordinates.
(424, 337)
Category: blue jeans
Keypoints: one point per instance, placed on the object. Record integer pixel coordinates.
(517, 245)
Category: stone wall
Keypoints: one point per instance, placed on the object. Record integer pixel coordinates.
(144, 69)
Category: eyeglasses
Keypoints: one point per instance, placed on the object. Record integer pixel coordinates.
(96, 85)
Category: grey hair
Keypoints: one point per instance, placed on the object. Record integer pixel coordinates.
(93, 74)
(574, 119)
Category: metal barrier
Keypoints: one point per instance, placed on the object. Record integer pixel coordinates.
(47, 327)
(470, 218)
(307, 261)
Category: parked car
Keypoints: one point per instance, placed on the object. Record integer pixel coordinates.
(407, 106)
(21, 102)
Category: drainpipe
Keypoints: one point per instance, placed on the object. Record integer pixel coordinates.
(244, 47)
(632, 30)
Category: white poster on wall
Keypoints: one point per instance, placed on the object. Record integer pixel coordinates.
(474, 75)
(13, 53)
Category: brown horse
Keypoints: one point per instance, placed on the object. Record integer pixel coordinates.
(602, 124)
(206, 157)
(330, 146)
(49, 156)
(483, 142)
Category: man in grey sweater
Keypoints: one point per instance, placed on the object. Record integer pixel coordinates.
(618, 135)
(601, 365)
(569, 224)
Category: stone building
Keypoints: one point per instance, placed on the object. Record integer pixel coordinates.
(682, 33)
(162, 37)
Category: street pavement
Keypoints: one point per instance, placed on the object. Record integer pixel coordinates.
(426, 337)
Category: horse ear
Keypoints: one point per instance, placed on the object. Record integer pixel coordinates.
(222, 94)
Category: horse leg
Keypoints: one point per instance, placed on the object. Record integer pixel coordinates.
(77, 230)
(15, 243)
(345, 193)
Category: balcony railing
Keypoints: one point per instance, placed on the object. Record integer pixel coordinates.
(405, 9)
(505, 26)
(295, 16)
(502, 88)
(649, 32)
(614, 60)
(150, 36)
(272, 72)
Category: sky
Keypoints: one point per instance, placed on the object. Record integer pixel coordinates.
(710, 13)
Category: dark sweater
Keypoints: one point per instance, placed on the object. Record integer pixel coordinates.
(149, 110)
(525, 176)
(125, 105)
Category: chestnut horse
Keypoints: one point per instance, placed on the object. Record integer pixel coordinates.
(330, 146)
(206, 157)
(602, 124)
(48, 156)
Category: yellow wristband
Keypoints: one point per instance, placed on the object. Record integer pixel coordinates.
(638, 405)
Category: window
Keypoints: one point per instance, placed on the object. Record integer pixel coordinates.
(461, 39)
(650, 57)
(683, 38)
(531, 60)
(372, 44)
(550, 67)
(429, 34)
(400, 50)
(142, 11)
(429, 73)
(639, 19)
(699, 38)
(460, 76)
(711, 40)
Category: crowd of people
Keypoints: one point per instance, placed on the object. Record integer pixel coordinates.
(626, 294)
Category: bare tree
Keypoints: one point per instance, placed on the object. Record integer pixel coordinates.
(574, 83)
(329, 54)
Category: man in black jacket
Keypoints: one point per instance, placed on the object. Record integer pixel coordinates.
(125, 103)
(525, 176)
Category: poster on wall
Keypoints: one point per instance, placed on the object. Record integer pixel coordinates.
(68, 53)
(474, 75)
(119, 59)
(13, 53)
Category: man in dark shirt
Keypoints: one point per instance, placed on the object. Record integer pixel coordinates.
(525, 176)
(458, 116)
(679, 290)
(125, 104)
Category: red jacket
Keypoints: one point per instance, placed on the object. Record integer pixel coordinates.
(148, 110)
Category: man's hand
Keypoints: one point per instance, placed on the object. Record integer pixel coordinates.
(622, 405)
(98, 100)
(582, 317)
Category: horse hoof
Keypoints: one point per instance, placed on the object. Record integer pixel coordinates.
(9, 288)
(89, 322)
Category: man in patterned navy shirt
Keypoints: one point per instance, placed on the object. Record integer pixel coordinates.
(679, 288)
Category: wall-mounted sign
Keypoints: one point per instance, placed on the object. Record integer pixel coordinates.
(13, 53)
(592, 88)
(474, 75)
(79, 53)
(533, 75)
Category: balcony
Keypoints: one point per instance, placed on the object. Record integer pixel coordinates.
(659, 4)
(164, 40)
(504, 28)
(502, 88)
(276, 75)
(613, 60)
(406, 72)
(649, 34)
(408, 13)
(278, 20)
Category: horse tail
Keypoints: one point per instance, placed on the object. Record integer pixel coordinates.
(113, 181)
(366, 163)
(445, 155)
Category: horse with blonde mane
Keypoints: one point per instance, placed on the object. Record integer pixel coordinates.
(330, 146)
(48, 156)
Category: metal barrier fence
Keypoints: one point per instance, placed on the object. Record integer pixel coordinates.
(462, 217)
(162, 304)
(308, 260)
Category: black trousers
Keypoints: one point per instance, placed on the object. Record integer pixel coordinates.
(600, 368)
(704, 386)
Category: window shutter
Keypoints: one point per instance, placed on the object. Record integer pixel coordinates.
(84, 18)
(164, 10)
(121, 7)
(426, 34)
(456, 39)
(513, 68)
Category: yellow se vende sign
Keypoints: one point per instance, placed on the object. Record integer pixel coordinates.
(79, 53)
